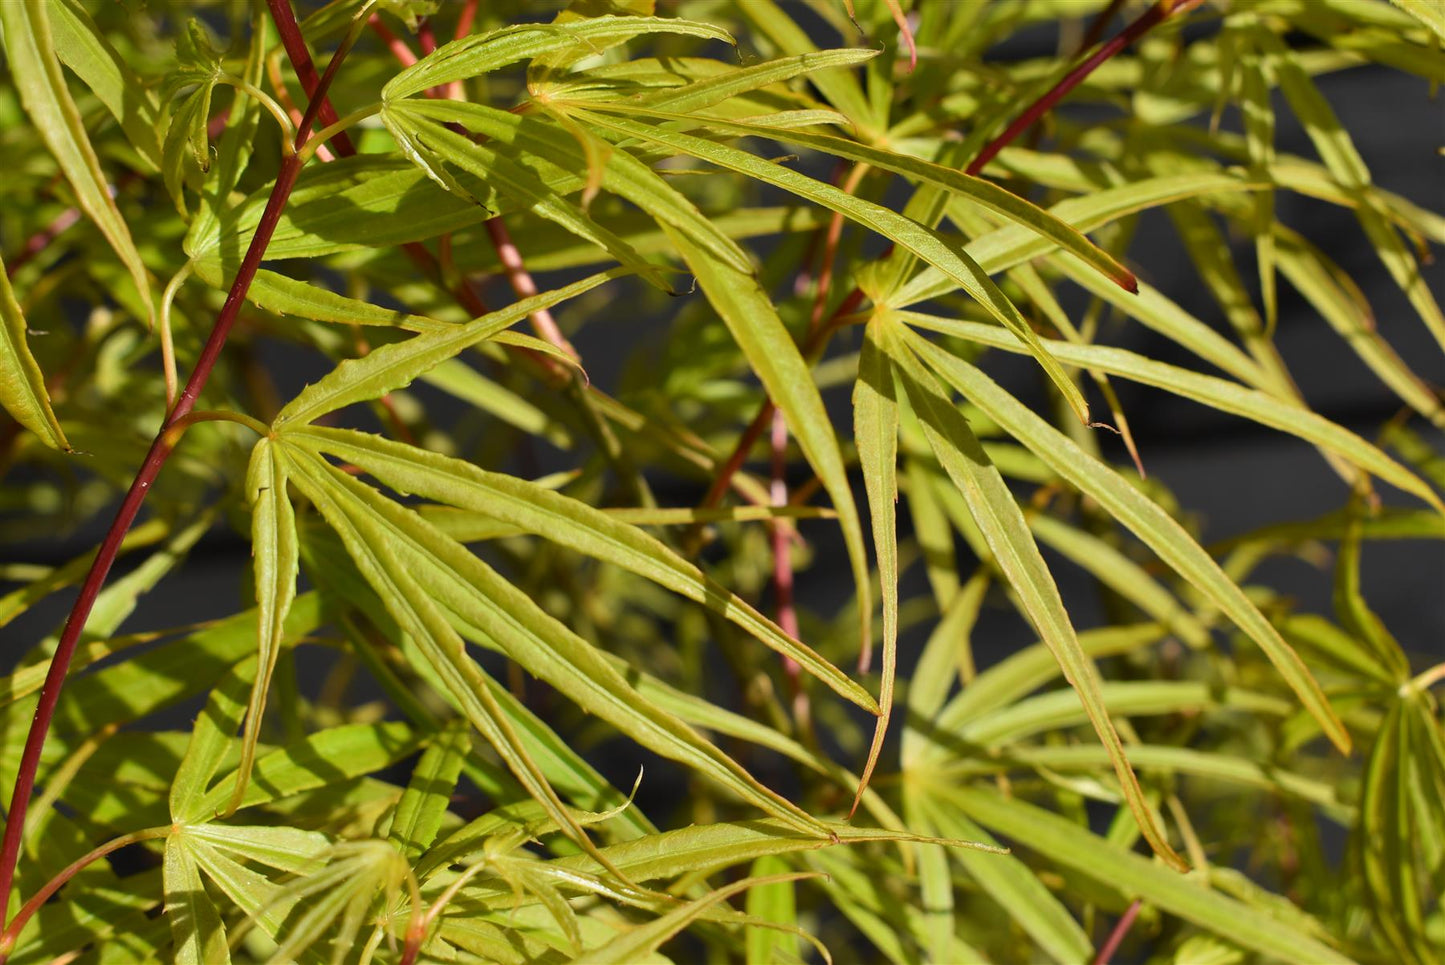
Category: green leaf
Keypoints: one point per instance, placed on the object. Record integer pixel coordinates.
(274, 548)
(641, 940)
(1003, 527)
(875, 421)
(211, 741)
(754, 323)
(775, 902)
(1120, 573)
(1341, 303)
(514, 623)
(530, 508)
(562, 165)
(287, 296)
(394, 366)
(1011, 883)
(1014, 244)
(976, 190)
(1430, 14)
(419, 813)
(367, 540)
(1150, 523)
(1132, 875)
(926, 243)
(429, 144)
(486, 52)
(1261, 407)
(291, 850)
(22, 384)
(840, 88)
(200, 937)
(82, 47)
(711, 91)
(324, 758)
(30, 50)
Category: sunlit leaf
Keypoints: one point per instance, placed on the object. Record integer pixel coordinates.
(22, 384)
(30, 50)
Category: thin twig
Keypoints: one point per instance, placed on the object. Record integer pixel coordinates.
(1116, 937)
(1150, 19)
(37, 900)
(160, 451)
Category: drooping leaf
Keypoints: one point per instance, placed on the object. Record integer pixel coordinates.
(30, 50)
(875, 421)
(1003, 527)
(754, 323)
(1261, 407)
(568, 522)
(928, 244)
(1144, 518)
(276, 562)
(22, 384)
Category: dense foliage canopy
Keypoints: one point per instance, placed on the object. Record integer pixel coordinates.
(540, 657)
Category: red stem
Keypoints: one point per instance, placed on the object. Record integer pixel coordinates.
(160, 450)
(1116, 937)
(300, 57)
(1151, 18)
(296, 51)
(38, 900)
(395, 44)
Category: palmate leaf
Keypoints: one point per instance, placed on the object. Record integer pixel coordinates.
(559, 763)
(1150, 523)
(366, 541)
(30, 51)
(926, 243)
(1004, 529)
(22, 384)
(527, 507)
(410, 551)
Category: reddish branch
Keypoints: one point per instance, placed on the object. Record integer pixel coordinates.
(1116, 937)
(1150, 19)
(160, 450)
